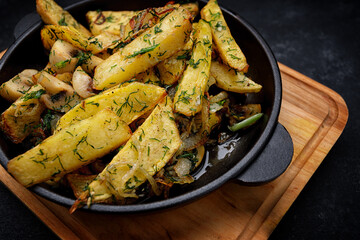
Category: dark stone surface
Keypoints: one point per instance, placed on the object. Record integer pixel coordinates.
(317, 38)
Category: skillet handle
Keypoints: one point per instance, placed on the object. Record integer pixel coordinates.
(272, 161)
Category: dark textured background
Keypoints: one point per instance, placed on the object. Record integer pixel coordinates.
(317, 38)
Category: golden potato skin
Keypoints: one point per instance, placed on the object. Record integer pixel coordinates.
(52, 13)
(228, 49)
(70, 149)
(189, 95)
(231, 80)
(152, 46)
(108, 21)
(128, 102)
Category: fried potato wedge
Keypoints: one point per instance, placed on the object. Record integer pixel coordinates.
(193, 8)
(148, 150)
(189, 95)
(228, 49)
(171, 69)
(150, 76)
(52, 13)
(128, 102)
(70, 149)
(143, 20)
(154, 45)
(20, 119)
(50, 33)
(231, 80)
(18, 85)
(108, 21)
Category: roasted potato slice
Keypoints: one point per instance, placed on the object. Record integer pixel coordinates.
(20, 119)
(150, 76)
(143, 20)
(52, 13)
(70, 149)
(151, 146)
(94, 44)
(231, 80)
(151, 47)
(228, 49)
(108, 21)
(193, 8)
(171, 69)
(18, 85)
(129, 102)
(189, 95)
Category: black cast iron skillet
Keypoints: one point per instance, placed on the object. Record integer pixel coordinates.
(254, 156)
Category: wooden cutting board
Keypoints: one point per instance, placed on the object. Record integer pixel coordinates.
(314, 115)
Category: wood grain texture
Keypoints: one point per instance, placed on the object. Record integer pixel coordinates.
(314, 115)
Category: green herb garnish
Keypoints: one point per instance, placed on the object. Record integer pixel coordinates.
(246, 122)
(142, 51)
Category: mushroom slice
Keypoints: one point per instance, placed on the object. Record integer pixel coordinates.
(82, 83)
(60, 96)
(63, 56)
(18, 85)
(89, 62)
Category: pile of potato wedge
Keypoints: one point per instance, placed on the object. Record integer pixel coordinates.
(123, 109)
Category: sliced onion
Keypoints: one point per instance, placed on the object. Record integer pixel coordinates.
(152, 181)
